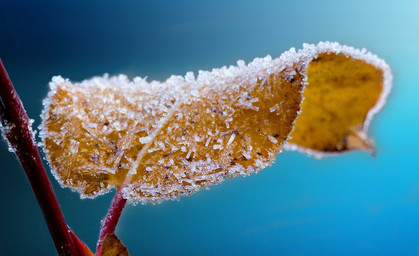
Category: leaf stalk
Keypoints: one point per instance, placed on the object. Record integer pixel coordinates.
(17, 130)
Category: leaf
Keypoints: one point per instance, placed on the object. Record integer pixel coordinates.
(112, 246)
(346, 87)
(161, 140)
(157, 141)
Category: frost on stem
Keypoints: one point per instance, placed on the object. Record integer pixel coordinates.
(4, 131)
(17, 129)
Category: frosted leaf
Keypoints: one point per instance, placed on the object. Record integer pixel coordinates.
(159, 141)
(346, 87)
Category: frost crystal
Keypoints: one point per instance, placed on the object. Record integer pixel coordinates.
(4, 131)
(272, 139)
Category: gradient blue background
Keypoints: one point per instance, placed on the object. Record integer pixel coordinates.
(353, 204)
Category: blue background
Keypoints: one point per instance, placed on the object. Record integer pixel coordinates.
(353, 204)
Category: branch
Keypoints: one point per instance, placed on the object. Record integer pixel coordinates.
(111, 219)
(16, 127)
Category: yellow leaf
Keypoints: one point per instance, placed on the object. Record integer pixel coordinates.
(161, 140)
(157, 141)
(346, 87)
(112, 246)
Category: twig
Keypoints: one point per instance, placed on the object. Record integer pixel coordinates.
(16, 127)
(111, 219)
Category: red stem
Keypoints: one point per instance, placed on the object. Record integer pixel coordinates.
(16, 128)
(111, 219)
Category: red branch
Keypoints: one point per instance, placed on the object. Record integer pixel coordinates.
(111, 219)
(16, 128)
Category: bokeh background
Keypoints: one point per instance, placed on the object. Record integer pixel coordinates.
(353, 204)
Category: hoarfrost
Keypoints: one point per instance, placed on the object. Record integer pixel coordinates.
(197, 138)
(233, 135)
(272, 139)
(207, 142)
(189, 154)
(274, 108)
(247, 155)
(74, 146)
(145, 140)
